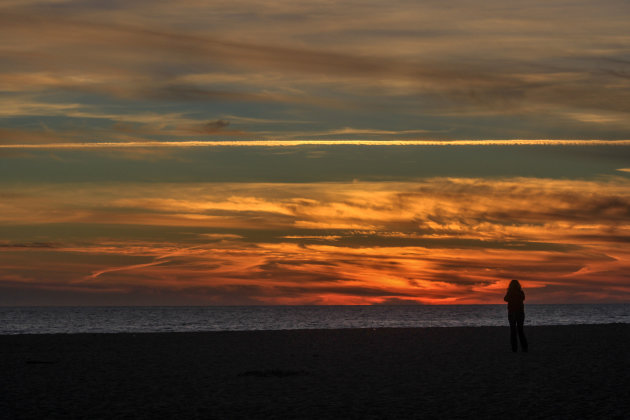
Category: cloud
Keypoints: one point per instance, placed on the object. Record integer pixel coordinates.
(461, 207)
(558, 71)
(394, 301)
(289, 143)
(455, 240)
(190, 129)
(214, 126)
(33, 245)
(221, 236)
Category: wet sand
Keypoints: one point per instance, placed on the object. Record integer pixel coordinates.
(570, 372)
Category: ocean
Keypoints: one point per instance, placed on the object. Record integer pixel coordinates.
(66, 320)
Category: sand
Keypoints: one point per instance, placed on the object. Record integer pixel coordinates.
(570, 372)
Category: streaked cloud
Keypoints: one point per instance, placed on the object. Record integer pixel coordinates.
(556, 72)
(436, 241)
(218, 125)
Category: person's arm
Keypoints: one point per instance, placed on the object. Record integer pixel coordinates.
(523, 295)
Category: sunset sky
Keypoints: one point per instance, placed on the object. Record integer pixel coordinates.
(292, 152)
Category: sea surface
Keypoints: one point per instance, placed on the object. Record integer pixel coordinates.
(62, 320)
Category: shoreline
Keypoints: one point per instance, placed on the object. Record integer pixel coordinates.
(43, 320)
(308, 329)
(573, 371)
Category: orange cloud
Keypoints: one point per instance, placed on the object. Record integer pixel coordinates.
(435, 241)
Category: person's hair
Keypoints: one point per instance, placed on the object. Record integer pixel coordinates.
(514, 285)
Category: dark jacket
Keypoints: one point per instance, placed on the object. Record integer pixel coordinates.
(515, 299)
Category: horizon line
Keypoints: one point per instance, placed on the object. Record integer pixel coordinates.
(502, 304)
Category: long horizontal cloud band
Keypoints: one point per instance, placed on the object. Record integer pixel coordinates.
(73, 70)
(290, 143)
(444, 240)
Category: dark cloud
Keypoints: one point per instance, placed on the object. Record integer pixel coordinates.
(394, 301)
(570, 206)
(35, 294)
(291, 273)
(145, 131)
(36, 245)
(457, 279)
(342, 290)
(609, 238)
(214, 126)
(297, 262)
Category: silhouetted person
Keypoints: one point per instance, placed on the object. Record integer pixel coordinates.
(516, 314)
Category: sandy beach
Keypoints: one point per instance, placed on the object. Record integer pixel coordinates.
(570, 372)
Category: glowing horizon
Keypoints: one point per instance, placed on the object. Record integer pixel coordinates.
(438, 241)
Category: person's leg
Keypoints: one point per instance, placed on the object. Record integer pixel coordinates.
(520, 320)
(512, 319)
